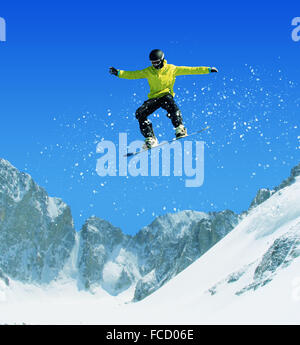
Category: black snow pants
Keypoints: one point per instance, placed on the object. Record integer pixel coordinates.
(148, 107)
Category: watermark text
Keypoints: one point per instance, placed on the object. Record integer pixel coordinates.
(179, 158)
(296, 30)
(2, 30)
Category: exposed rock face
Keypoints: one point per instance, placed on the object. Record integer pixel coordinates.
(101, 245)
(153, 256)
(279, 255)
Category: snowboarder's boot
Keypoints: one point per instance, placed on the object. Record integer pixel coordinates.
(180, 131)
(150, 142)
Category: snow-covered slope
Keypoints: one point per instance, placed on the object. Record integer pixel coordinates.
(250, 276)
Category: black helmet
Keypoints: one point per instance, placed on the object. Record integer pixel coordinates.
(156, 55)
(157, 58)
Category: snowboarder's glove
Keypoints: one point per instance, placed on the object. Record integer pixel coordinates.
(113, 71)
(213, 69)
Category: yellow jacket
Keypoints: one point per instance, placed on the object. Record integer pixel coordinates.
(161, 81)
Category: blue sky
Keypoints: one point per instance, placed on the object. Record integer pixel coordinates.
(57, 99)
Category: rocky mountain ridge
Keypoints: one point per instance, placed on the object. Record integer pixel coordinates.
(37, 239)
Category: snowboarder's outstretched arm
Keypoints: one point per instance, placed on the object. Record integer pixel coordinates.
(128, 74)
(184, 70)
(113, 71)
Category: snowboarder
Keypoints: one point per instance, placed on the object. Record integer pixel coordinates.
(161, 78)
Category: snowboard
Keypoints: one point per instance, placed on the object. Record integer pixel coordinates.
(130, 154)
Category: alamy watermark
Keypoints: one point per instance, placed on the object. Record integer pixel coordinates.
(188, 160)
(2, 30)
(296, 30)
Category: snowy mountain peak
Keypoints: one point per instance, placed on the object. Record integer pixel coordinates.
(174, 223)
(36, 231)
(265, 193)
(13, 184)
(102, 227)
(294, 176)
